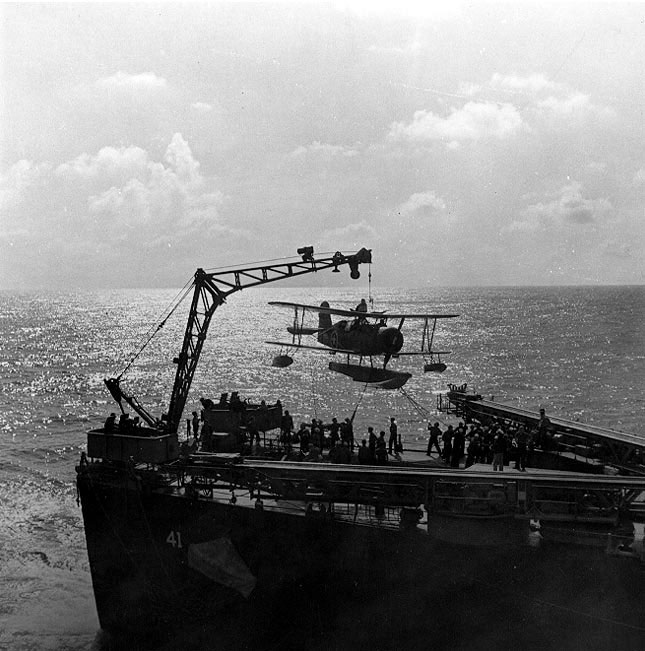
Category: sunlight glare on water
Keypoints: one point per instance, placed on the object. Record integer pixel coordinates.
(577, 351)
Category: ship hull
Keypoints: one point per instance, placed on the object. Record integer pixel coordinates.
(322, 581)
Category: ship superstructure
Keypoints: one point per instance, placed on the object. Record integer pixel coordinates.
(247, 532)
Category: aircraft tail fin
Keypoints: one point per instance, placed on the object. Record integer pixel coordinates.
(324, 321)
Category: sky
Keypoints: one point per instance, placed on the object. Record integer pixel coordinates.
(464, 143)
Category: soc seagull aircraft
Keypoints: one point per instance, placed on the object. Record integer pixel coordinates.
(361, 334)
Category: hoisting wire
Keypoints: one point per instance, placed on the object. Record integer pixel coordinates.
(417, 406)
(360, 398)
(177, 302)
(370, 298)
(423, 412)
(314, 392)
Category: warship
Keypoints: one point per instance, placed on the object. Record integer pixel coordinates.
(229, 538)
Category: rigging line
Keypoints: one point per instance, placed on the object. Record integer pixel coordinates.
(175, 301)
(467, 98)
(360, 398)
(313, 390)
(172, 303)
(186, 290)
(421, 410)
(569, 54)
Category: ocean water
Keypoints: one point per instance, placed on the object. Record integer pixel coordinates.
(577, 351)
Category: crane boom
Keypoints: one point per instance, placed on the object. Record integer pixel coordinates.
(212, 289)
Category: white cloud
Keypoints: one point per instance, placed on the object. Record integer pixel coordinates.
(474, 121)
(575, 106)
(570, 207)
(19, 179)
(422, 201)
(356, 235)
(318, 148)
(110, 161)
(436, 10)
(413, 47)
(119, 201)
(123, 80)
(180, 158)
(639, 177)
(202, 107)
(534, 83)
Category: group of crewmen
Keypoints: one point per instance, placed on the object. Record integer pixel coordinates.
(338, 437)
(494, 443)
(125, 424)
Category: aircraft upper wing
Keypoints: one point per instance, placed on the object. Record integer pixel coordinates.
(354, 314)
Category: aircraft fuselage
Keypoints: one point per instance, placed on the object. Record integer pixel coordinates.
(361, 337)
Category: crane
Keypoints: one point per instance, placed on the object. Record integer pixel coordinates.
(210, 290)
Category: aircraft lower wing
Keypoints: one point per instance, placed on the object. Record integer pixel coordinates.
(324, 349)
(423, 352)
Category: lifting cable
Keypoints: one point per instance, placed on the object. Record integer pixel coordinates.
(419, 408)
(314, 392)
(360, 398)
(423, 412)
(174, 304)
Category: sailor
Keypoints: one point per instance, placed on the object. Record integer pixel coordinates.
(543, 427)
(364, 453)
(236, 404)
(393, 441)
(253, 431)
(361, 307)
(473, 451)
(347, 432)
(381, 449)
(522, 439)
(124, 423)
(446, 437)
(458, 447)
(286, 427)
(499, 449)
(303, 435)
(195, 423)
(372, 443)
(316, 432)
(334, 431)
(344, 453)
(314, 453)
(207, 403)
(110, 423)
(435, 433)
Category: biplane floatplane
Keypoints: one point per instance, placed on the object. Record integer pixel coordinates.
(361, 334)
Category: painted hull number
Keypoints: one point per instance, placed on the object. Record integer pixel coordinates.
(174, 539)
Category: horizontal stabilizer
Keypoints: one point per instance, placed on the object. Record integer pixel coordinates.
(303, 331)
